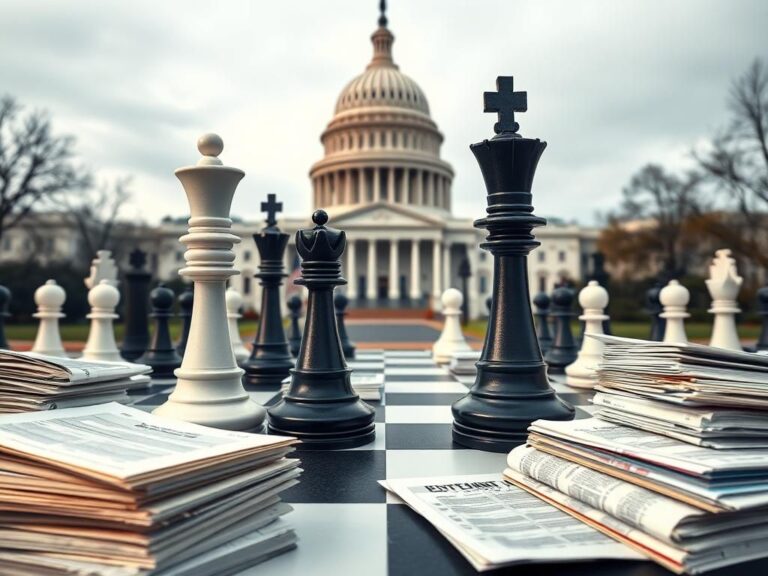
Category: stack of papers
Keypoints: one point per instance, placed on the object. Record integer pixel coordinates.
(112, 490)
(690, 508)
(367, 386)
(30, 382)
(698, 394)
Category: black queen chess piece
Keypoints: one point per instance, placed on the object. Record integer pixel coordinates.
(511, 388)
(294, 331)
(564, 349)
(347, 346)
(541, 302)
(136, 335)
(270, 359)
(161, 354)
(320, 407)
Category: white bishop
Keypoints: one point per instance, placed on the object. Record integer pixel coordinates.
(723, 284)
(674, 297)
(49, 297)
(234, 302)
(593, 299)
(452, 338)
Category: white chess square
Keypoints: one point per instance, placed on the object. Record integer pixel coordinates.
(425, 388)
(419, 415)
(426, 463)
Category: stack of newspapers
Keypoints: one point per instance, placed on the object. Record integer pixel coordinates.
(112, 490)
(30, 382)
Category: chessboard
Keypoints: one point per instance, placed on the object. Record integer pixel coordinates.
(348, 524)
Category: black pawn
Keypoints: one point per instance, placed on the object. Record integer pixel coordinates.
(654, 308)
(341, 302)
(563, 350)
(320, 408)
(762, 303)
(511, 388)
(270, 361)
(186, 301)
(294, 331)
(161, 355)
(541, 303)
(136, 337)
(5, 302)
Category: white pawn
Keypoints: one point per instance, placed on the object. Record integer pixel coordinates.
(593, 299)
(49, 297)
(234, 302)
(723, 284)
(674, 297)
(452, 338)
(101, 345)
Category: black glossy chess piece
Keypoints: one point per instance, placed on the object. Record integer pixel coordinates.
(541, 303)
(563, 350)
(161, 355)
(186, 301)
(762, 303)
(294, 331)
(511, 388)
(136, 336)
(654, 308)
(5, 302)
(320, 408)
(341, 302)
(270, 360)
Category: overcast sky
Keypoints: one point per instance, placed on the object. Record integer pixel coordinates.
(611, 84)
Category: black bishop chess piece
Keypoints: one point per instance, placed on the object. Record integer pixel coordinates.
(320, 407)
(541, 303)
(136, 336)
(762, 304)
(186, 301)
(5, 302)
(341, 302)
(294, 330)
(161, 355)
(511, 388)
(270, 360)
(654, 308)
(563, 350)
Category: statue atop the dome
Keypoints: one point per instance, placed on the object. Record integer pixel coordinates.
(383, 13)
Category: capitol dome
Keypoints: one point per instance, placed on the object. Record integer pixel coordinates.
(381, 144)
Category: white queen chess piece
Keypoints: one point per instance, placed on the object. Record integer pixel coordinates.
(452, 338)
(593, 299)
(49, 297)
(234, 302)
(101, 345)
(674, 297)
(209, 389)
(723, 284)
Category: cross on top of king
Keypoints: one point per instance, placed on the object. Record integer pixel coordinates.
(505, 102)
(272, 207)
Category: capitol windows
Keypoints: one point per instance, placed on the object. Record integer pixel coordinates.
(561, 256)
(247, 256)
(246, 284)
(483, 284)
(7, 244)
(179, 256)
(542, 256)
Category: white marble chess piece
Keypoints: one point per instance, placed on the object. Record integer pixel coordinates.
(103, 267)
(593, 299)
(101, 345)
(49, 297)
(724, 284)
(674, 297)
(234, 303)
(209, 388)
(452, 338)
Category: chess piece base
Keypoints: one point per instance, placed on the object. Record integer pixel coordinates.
(268, 371)
(581, 381)
(330, 441)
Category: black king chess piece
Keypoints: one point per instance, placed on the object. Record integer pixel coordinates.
(186, 301)
(294, 331)
(270, 359)
(563, 350)
(341, 302)
(541, 303)
(161, 355)
(136, 337)
(511, 388)
(5, 302)
(320, 408)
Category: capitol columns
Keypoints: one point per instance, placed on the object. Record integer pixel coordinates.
(436, 274)
(394, 272)
(415, 271)
(370, 283)
(446, 265)
(406, 188)
(430, 189)
(419, 188)
(351, 268)
(376, 184)
(348, 186)
(391, 185)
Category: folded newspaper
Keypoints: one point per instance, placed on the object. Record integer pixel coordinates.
(494, 524)
(110, 485)
(30, 382)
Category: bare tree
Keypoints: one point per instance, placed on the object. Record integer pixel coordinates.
(35, 165)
